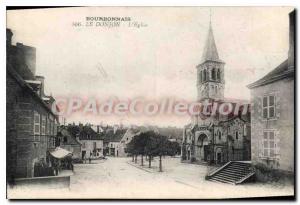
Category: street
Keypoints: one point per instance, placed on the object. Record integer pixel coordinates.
(117, 178)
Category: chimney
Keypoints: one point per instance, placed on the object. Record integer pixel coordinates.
(29, 56)
(9, 35)
(115, 129)
(98, 129)
(291, 54)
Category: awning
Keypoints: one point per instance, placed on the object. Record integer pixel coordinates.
(60, 153)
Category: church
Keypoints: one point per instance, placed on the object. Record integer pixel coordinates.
(218, 138)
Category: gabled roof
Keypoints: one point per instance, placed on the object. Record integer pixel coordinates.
(64, 132)
(278, 73)
(210, 52)
(87, 133)
(84, 133)
(113, 136)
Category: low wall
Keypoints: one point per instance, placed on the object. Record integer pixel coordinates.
(51, 182)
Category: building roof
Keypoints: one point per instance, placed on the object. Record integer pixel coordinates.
(64, 132)
(60, 153)
(84, 132)
(276, 74)
(11, 71)
(114, 136)
(210, 52)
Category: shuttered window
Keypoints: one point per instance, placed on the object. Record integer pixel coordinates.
(43, 130)
(36, 123)
(269, 145)
(36, 126)
(268, 107)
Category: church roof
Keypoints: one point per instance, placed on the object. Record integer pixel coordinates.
(210, 52)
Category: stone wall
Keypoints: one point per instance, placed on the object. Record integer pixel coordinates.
(283, 124)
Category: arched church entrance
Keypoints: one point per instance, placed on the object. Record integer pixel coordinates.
(202, 148)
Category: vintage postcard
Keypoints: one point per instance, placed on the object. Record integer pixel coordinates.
(150, 102)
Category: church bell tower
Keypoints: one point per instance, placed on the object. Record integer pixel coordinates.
(210, 72)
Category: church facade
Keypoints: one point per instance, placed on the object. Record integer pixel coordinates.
(216, 138)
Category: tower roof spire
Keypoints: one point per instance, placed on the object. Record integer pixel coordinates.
(210, 50)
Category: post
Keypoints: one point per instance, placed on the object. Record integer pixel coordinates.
(135, 161)
(160, 165)
(142, 160)
(133, 158)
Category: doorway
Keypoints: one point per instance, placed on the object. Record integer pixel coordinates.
(219, 158)
(83, 153)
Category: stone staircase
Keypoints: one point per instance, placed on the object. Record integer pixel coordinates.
(233, 172)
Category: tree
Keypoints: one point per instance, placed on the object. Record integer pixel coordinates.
(161, 148)
(152, 144)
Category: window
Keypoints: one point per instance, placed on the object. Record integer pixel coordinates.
(43, 130)
(83, 145)
(220, 135)
(269, 107)
(55, 128)
(213, 74)
(65, 139)
(36, 123)
(200, 76)
(51, 127)
(269, 144)
(47, 126)
(236, 135)
(94, 145)
(204, 75)
(218, 74)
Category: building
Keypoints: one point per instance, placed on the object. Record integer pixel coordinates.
(272, 118)
(216, 138)
(113, 137)
(68, 142)
(91, 141)
(31, 126)
(127, 137)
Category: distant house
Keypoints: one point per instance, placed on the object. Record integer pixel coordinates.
(127, 137)
(272, 117)
(112, 137)
(91, 141)
(31, 126)
(114, 142)
(69, 142)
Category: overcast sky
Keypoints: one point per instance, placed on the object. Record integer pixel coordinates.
(154, 61)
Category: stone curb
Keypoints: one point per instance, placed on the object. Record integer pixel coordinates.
(142, 168)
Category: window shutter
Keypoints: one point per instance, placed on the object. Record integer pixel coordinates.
(261, 146)
(258, 102)
(277, 147)
(277, 105)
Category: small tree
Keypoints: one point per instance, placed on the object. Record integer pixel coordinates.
(151, 145)
(132, 149)
(161, 148)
